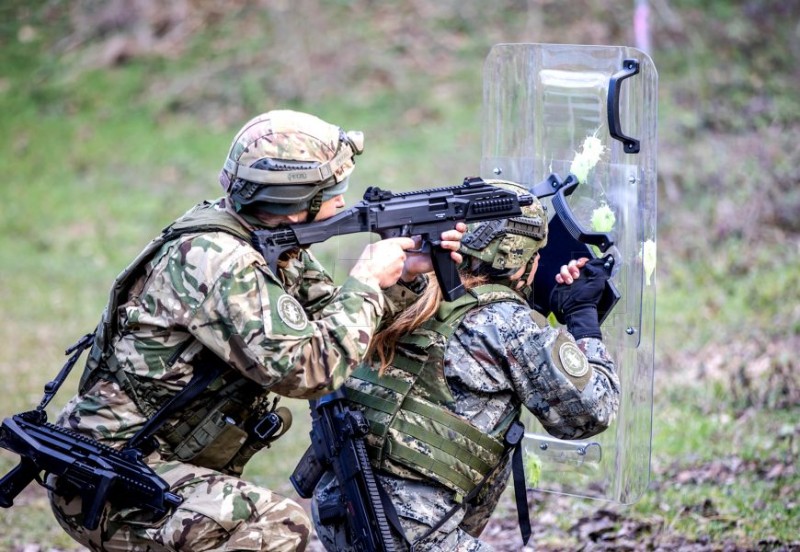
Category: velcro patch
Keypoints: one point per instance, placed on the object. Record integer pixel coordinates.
(572, 362)
(291, 313)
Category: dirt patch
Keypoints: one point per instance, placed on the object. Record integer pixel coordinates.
(605, 529)
(601, 528)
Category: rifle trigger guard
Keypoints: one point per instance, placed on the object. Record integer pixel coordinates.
(424, 247)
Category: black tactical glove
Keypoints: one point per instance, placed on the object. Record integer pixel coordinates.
(576, 304)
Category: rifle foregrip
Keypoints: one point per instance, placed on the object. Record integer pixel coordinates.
(15, 481)
(446, 274)
(94, 500)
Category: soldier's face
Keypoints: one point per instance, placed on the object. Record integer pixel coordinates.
(329, 207)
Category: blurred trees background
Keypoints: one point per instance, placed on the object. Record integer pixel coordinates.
(730, 113)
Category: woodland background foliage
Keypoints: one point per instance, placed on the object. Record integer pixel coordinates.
(117, 114)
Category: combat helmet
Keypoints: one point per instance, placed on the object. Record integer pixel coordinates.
(286, 161)
(506, 245)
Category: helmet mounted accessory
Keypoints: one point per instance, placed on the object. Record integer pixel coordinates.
(499, 248)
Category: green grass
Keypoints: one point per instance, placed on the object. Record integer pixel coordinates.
(31, 522)
(716, 473)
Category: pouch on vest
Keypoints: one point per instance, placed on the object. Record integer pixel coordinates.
(213, 443)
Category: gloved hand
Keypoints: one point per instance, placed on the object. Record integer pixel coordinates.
(576, 304)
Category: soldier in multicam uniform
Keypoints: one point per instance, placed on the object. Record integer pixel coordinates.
(200, 310)
(446, 380)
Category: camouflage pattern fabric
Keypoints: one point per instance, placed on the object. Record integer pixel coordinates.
(502, 357)
(408, 425)
(419, 506)
(294, 334)
(216, 290)
(218, 513)
(275, 135)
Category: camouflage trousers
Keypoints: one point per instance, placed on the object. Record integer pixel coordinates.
(218, 512)
(419, 505)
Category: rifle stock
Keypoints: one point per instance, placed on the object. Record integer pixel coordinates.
(568, 240)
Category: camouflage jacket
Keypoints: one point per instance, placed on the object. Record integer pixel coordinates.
(211, 295)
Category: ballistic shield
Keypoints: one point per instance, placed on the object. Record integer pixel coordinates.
(587, 114)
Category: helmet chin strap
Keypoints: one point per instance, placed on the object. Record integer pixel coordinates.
(526, 289)
(314, 206)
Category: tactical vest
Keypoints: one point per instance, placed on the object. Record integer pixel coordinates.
(410, 424)
(203, 433)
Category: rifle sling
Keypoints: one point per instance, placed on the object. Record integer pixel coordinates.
(200, 381)
(75, 350)
(391, 513)
(521, 495)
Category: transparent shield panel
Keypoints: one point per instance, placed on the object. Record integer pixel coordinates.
(547, 110)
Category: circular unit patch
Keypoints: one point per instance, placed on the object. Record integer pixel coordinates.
(291, 313)
(573, 360)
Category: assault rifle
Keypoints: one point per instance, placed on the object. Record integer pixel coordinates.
(99, 473)
(337, 443)
(426, 213)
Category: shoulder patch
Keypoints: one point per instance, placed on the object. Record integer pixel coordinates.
(291, 313)
(571, 361)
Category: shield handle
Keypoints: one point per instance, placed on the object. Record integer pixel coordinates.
(630, 67)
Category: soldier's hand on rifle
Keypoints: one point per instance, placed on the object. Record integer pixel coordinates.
(420, 263)
(381, 263)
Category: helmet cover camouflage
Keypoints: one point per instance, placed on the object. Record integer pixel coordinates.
(508, 244)
(282, 159)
